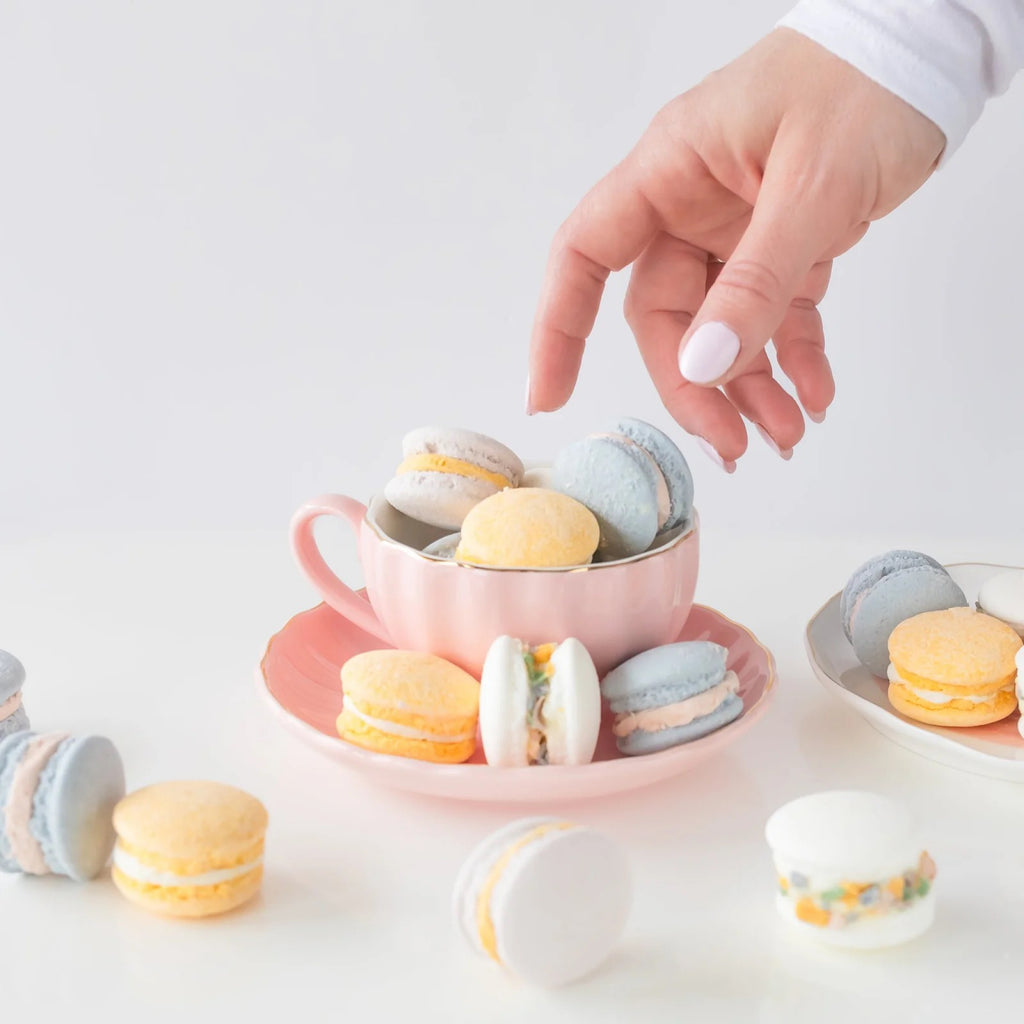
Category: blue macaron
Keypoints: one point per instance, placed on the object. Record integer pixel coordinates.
(885, 591)
(12, 711)
(57, 797)
(635, 481)
(670, 695)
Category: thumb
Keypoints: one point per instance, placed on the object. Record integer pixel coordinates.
(749, 299)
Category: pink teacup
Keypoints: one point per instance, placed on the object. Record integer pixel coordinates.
(418, 602)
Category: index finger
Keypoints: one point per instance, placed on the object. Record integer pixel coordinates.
(607, 231)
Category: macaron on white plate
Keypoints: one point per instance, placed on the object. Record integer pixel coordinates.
(299, 677)
(995, 750)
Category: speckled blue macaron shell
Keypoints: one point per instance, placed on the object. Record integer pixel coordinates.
(618, 484)
(664, 675)
(72, 814)
(874, 570)
(12, 675)
(11, 749)
(671, 461)
(73, 805)
(640, 742)
(889, 601)
(17, 722)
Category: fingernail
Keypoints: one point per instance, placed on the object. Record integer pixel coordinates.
(712, 453)
(709, 353)
(783, 453)
(816, 417)
(529, 402)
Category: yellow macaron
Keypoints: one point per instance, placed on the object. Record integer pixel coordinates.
(529, 527)
(189, 849)
(410, 704)
(954, 667)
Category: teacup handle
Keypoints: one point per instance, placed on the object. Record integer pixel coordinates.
(341, 597)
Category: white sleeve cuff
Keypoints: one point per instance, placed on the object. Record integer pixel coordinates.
(943, 57)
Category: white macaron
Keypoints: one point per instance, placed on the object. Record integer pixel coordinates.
(547, 899)
(1002, 597)
(851, 870)
(539, 705)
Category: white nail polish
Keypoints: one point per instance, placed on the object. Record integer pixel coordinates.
(816, 417)
(783, 453)
(529, 405)
(712, 453)
(709, 353)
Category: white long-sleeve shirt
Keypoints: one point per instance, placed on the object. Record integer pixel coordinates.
(946, 58)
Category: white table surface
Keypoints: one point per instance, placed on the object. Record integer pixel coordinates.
(153, 640)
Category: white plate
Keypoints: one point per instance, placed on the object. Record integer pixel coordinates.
(995, 750)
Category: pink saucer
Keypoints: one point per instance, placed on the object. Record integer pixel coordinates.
(300, 678)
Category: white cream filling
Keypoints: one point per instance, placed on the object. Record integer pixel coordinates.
(405, 731)
(144, 873)
(934, 697)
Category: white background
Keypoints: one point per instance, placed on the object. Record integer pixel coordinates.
(243, 248)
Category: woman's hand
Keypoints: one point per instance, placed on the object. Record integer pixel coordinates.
(775, 165)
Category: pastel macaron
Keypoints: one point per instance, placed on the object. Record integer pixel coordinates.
(883, 592)
(1002, 597)
(409, 704)
(670, 695)
(539, 704)
(57, 795)
(189, 849)
(851, 870)
(445, 471)
(529, 528)
(13, 717)
(955, 667)
(546, 899)
(635, 481)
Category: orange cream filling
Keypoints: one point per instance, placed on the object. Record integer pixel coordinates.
(433, 463)
(484, 923)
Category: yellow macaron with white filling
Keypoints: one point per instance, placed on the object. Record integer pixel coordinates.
(954, 667)
(189, 849)
(529, 528)
(409, 704)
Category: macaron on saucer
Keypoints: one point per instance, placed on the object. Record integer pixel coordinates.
(995, 750)
(299, 679)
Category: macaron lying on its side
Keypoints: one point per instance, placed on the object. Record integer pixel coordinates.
(409, 704)
(446, 471)
(539, 705)
(528, 528)
(954, 667)
(886, 590)
(851, 869)
(671, 695)
(544, 898)
(13, 717)
(57, 795)
(189, 849)
(635, 481)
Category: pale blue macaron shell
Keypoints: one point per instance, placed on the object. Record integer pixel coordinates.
(640, 742)
(874, 570)
(11, 749)
(618, 484)
(672, 463)
(73, 806)
(12, 679)
(665, 675)
(890, 589)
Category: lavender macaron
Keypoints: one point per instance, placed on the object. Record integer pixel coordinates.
(12, 712)
(884, 592)
(635, 481)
